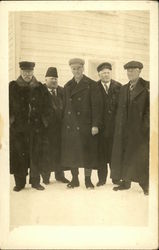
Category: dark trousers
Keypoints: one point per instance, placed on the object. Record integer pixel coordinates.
(20, 181)
(103, 172)
(34, 180)
(75, 172)
(46, 175)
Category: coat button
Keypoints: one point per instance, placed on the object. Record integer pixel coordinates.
(109, 111)
(77, 128)
(23, 154)
(70, 99)
(68, 127)
(79, 98)
(37, 130)
(36, 119)
(69, 112)
(78, 113)
(33, 108)
(33, 98)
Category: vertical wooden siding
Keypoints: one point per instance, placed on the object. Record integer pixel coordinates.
(52, 38)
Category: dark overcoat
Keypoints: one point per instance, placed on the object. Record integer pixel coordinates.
(109, 109)
(53, 130)
(130, 156)
(82, 111)
(28, 119)
(19, 127)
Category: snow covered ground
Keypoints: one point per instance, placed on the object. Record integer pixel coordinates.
(58, 205)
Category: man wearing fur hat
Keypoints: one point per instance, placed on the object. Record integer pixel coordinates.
(110, 94)
(81, 123)
(130, 156)
(27, 123)
(53, 99)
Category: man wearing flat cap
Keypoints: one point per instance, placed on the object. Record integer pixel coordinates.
(110, 94)
(81, 123)
(53, 99)
(130, 156)
(27, 123)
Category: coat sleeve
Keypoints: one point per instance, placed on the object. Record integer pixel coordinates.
(63, 101)
(11, 103)
(96, 105)
(146, 113)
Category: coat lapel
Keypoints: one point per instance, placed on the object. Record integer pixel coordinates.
(138, 89)
(83, 84)
(111, 87)
(102, 88)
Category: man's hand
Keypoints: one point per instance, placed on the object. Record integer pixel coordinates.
(95, 130)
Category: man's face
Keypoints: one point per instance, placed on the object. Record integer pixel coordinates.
(105, 75)
(51, 82)
(27, 75)
(77, 70)
(133, 74)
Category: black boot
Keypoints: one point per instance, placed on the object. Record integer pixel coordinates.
(116, 182)
(123, 186)
(38, 187)
(35, 183)
(74, 183)
(100, 183)
(20, 182)
(18, 188)
(88, 182)
(59, 176)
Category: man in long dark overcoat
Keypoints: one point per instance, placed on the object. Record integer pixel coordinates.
(53, 100)
(130, 156)
(110, 94)
(81, 123)
(27, 125)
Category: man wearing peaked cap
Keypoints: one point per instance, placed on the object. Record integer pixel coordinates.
(130, 156)
(26, 127)
(81, 123)
(133, 65)
(104, 65)
(109, 89)
(53, 99)
(76, 61)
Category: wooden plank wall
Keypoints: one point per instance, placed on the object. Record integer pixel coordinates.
(52, 38)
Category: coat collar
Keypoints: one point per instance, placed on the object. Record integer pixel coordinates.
(22, 83)
(138, 88)
(59, 89)
(83, 84)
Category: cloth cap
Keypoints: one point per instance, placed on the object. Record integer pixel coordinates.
(76, 61)
(133, 64)
(51, 72)
(26, 65)
(104, 65)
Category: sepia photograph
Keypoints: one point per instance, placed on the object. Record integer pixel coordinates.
(78, 125)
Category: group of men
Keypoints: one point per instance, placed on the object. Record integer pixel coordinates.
(86, 124)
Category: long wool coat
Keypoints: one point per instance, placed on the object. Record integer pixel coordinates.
(28, 120)
(54, 103)
(130, 156)
(82, 111)
(109, 110)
